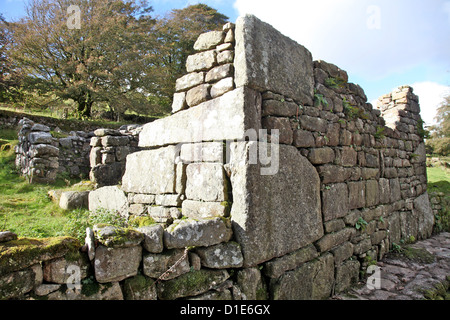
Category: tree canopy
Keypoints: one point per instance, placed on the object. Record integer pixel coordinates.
(111, 52)
(440, 134)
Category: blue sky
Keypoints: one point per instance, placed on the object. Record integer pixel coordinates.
(382, 44)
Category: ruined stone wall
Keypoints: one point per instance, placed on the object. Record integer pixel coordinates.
(273, 179)
(40, 156)
(109, 150)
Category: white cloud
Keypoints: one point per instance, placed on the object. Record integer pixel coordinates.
(431, 95)
(369, 38)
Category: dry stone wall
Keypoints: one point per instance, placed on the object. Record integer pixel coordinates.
(273, 179)
(41, 157)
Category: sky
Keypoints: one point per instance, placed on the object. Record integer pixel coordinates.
(382, 44)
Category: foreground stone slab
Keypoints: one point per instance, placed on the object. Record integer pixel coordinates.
(221, 256)
(267, 60)
(191, 284)
(202, 233)
(110, 198)
(116, 264)
(274, 215)
(151, 172)
(316, 279)
(22, 253)
(224, 118)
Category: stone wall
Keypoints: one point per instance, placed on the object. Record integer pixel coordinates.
(40, 156)
(348, 182)
(109, 151)
(273, 168)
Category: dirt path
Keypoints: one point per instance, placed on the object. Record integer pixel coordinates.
(420, 271)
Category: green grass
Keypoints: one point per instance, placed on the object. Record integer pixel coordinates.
(439, 182)
(25, 208)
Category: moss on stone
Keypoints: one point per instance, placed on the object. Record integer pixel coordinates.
(191, 284)
(24, 252)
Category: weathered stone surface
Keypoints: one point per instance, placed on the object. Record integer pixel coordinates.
(40, 150)
(15, 284)
(342, 252)
(107, 132)
(422, 209)
(59, 270)
(139, 288)
(113, 141)
(71, 200)
(151, 172)
(209, 40)
(357, 194)
(45, 289)
(316, 279)
(153, 238)
(163, 214)
(394, 185)
(251, 284)
(191, 284)
(321, 155)
(222, 87)
(333, 174)
(372, 193)
(201, 61)
(156, 265)
(110, 198)
(109, 291)
(179, 102)
(6, 236)
(117, 237)
(200, 210)
(226, 56)
(277, 214)
(107, 175)
(303, 139)
(22, 253)
(384, 190)
(40, 137)
(281, 124)
(219, 73)
(189, 81)
(203, 233)
(89, 242)
(168, 200)
(206, 182)
(267, 60)
(198, 94)
(347, 275)
(332, 240)
(227, 117)
(335, 201)
(279, 108)
(202, 152)
(314, 124)
(116, 264)
(277, 267)
(221, 256)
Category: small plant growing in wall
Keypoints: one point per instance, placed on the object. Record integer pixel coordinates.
(361, 224)
(380, 133)
(334, 83)
(319, 99)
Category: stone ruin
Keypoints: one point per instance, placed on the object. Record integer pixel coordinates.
(272, 166)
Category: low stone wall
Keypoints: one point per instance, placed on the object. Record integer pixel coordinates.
(40, 156)
(127, 264)
(109, 151)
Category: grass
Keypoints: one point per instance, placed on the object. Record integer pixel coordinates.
(25, 208)
(439, 183)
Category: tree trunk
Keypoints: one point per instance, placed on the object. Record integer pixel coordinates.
(84, 106)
